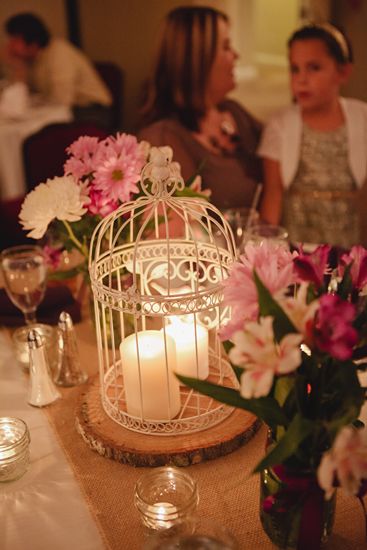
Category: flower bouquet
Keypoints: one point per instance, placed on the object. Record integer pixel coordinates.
(295, 331)
(99, 176)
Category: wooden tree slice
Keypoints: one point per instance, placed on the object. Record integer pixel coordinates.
(110, 439)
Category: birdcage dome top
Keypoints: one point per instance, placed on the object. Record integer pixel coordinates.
(166, 251)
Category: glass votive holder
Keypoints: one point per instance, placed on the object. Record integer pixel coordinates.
(165, 496)
(14, 448)
(20, 339)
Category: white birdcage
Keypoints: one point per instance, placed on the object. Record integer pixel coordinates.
(157, 265)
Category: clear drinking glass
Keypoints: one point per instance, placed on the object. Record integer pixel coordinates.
(24, 271)
(240, 220)
(258, 233)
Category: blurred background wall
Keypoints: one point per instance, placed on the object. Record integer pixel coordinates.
(124, 32)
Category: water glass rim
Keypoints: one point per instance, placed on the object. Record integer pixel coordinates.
(279, 229)
(21, 248)
(22, 427)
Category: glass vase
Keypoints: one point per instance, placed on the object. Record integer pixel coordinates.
(293, 510)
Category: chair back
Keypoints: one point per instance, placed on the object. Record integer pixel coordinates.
(44, 153)
(113, 77)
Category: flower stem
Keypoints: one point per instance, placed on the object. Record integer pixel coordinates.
(82, 247)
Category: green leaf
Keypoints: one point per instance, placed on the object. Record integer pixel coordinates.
(228, 345)
(265, 408)
(238, 371)
(197, 173)
(188, 192)
(298, 430)
(283, 386)
(343, 396)
(268, 306)
(361, 320)
(345, 286)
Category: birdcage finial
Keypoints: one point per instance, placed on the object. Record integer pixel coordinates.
(163, 175)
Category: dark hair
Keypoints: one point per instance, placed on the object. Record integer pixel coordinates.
(335, 41)
(184, 58)
(29, 27)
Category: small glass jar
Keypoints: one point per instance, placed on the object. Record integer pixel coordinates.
(164, 497)
(14, 448)
(20, 339)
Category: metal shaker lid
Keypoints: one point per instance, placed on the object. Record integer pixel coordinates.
(65, 321)
(35, 339)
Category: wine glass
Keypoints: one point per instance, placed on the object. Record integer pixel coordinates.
(24, 271)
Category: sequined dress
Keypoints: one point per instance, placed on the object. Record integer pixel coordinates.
(321, 204)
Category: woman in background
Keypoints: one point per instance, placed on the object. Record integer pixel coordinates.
(315, 152)
(186, 106)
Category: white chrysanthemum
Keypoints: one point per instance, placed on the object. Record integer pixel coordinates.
(60, 198)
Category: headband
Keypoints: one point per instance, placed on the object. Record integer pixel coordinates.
(338, 37)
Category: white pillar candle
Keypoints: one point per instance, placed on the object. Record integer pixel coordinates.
(192, 347)
(152, 391)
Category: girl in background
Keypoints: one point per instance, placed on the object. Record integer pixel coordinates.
(315, 151)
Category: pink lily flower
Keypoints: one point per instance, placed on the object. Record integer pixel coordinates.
(312, 267)
(346, 461)
(273, 264)
(256, 351)
(333, 332)
(358, 272)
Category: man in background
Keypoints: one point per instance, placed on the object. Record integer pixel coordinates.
(55, 69)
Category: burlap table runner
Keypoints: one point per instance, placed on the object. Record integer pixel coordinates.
(229, 495)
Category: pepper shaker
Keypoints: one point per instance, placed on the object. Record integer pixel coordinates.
(42, 390)
(68, 371)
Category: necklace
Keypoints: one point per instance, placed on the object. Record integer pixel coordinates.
(228, 130)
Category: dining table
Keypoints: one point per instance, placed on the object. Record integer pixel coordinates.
(14, 129)
(73, 497)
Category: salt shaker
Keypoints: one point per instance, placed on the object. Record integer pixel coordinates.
(42, 390)
(68, 371)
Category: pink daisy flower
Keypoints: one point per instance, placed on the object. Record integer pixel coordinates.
(82, 153)
(117, 178)
(118, 167)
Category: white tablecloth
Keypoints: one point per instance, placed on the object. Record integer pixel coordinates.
(45, 508)
(12, 135)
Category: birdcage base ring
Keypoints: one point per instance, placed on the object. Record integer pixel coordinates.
(198, 412)
(109, 439)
